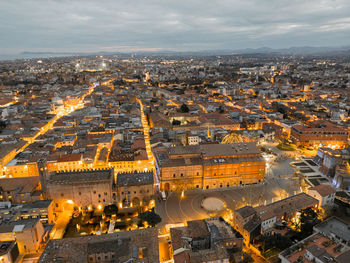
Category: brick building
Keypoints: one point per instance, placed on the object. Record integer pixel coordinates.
(319, 132)
(209, 166)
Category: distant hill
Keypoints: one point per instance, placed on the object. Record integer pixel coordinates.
(305, 50)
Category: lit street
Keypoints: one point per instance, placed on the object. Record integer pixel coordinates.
(60, 224)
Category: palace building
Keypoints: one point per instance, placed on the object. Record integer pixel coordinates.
(319, 133)
(209, 166)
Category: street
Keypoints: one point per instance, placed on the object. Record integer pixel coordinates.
(60, 224)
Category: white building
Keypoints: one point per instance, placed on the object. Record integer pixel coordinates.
(324, 193)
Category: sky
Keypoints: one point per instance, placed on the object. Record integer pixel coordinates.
(178, 25)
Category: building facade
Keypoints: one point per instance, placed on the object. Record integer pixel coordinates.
(209, 166)
(319, 133)
(81, 189)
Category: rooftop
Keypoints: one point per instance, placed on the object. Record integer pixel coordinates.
(334, 227)
(323, 189)
(136, 178)
(317, 244)
(80, 176)
(123, 245)
(288, 205)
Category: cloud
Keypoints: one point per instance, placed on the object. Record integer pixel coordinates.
(89, 25)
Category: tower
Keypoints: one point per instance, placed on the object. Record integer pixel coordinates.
(43, 174)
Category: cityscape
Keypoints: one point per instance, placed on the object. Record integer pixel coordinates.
(171, 155)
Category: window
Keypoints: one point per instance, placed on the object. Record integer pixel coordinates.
(182, 174)
(105, 193)
(79, 193)
(94, 192)
(197, 173)
(62, 194)
(174, 175)
(99, 195)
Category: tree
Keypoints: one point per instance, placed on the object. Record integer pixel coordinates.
(184, 108)
(110, 210)
(176, 122)
(276, 241)
(308, 219)
(2, 125)
(151, 217)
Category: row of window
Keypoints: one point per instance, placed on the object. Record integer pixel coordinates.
(99, 195)
(267, 222)
(141, 191)
(181, 175)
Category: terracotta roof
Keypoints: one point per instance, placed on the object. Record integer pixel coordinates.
(323, 189)
(70, 158)
(23, 184)
(288, 205)
(246, 211)
(197, 228)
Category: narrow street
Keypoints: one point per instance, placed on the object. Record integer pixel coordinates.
(146, 134)
(60, 224)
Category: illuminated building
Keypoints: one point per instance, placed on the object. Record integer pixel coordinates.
(324, 193)
(29, 234)
(251, 222)
(135, 189)
(42, 209)
(209, 166)
(80, 188)
(284, 210)
(128, 246)
(319, 133)
(20, 190)
(247, 222)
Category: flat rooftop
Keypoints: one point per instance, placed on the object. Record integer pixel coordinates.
(334, 226)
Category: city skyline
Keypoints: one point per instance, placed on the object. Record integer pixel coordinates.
(153, 26)
(175, 132)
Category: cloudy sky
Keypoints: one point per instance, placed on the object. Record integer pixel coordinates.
(184, 25)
